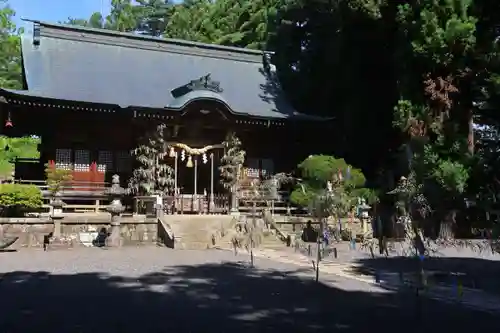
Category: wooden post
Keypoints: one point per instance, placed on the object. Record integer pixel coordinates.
(176, 162)
(195, 195)
(212, 203)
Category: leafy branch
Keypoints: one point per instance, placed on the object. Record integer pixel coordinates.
(153, 175)
(231, 162)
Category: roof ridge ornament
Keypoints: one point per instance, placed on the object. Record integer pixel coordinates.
(36, 34)
(203, 83)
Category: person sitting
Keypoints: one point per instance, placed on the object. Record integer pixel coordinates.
(100, 240)
(46, 241)
(309, 234)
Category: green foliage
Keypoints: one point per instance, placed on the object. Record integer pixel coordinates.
(154, 175)
(319, 169)
(370, 195)
(440, 31)
(451, 175)
(225, 22)
(303, 195)
(12, 148)
(10, 55)
(20, 195)
(57, 178)
(231, 162)
(316, 171)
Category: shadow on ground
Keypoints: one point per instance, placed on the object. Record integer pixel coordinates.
(477, 273)
(214, 298)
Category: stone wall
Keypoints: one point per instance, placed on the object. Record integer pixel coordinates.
(77, 231)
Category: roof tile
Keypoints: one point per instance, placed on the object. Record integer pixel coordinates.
(96, 66)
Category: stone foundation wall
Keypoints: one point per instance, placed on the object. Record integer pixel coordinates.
(76, 232)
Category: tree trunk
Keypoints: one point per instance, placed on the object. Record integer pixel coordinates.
(470, 136)
(446, 228)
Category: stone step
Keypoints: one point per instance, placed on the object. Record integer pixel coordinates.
(194, 238)
(192, 246)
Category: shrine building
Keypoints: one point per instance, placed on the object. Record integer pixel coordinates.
(90, 94)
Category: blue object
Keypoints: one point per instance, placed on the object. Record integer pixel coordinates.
(348, 173)
(353, 244)
(421, 257)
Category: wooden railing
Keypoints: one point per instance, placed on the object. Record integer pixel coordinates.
(71, 188)
(90, 196)
(79, 196)
(183, 204)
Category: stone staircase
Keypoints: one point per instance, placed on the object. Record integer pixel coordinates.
(272, 241)
(197, 232)
(265, 237)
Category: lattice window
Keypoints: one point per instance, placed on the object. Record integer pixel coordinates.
(105, 161)
(252, 169)
(82, 160)
(123, 161)
(63, 159)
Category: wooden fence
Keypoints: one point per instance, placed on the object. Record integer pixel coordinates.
(83, 196)
(184, 204)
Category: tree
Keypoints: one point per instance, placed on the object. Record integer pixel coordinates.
(13, 148)
(231, 163)
(153, 16)
(435, 113)
(10, 55)
(153, 176)
(57, 179)
(317, 171)
(122, 16)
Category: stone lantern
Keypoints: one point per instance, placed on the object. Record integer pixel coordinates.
(116, 193)
(363, 215)
(56, 214)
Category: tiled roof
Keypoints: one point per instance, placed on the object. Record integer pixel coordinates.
(101, 66)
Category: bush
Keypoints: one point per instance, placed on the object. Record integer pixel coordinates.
(20, 197)
(317, 170)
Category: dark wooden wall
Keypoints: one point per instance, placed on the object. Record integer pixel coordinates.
(65, 128)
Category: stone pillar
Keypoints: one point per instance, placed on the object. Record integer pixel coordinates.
(234, 201)
(115, 192)
(159, 207)
(56, 214)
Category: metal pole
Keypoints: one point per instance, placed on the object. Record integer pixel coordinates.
(212, 204)
(318, 257)
(196, 184)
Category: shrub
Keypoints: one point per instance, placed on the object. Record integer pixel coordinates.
(17, 198)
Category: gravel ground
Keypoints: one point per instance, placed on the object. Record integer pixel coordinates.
(159, 290)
